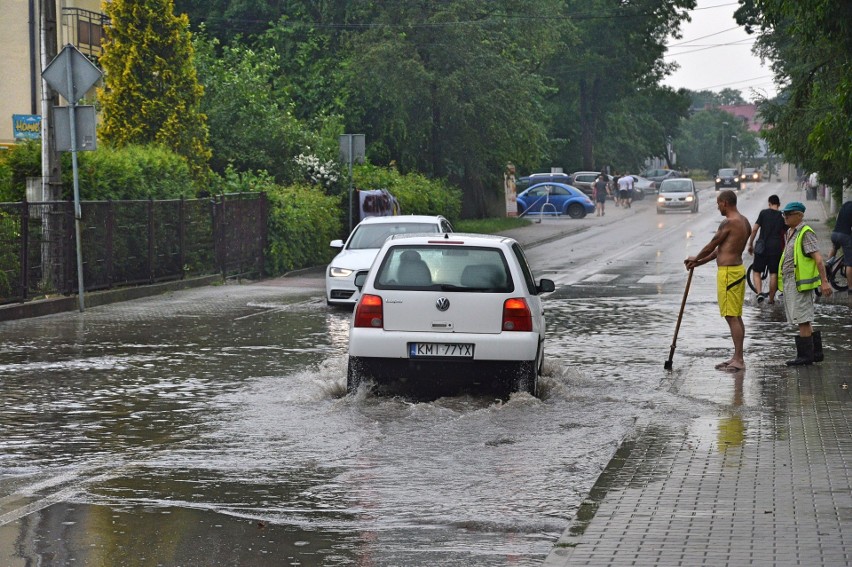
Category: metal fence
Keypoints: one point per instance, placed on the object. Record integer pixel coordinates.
(128, 243)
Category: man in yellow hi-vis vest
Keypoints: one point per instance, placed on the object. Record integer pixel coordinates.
(803, 269)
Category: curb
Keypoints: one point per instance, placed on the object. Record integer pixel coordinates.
(51, 306)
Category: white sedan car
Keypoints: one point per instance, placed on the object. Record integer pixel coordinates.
(449, 309)
(360, 249)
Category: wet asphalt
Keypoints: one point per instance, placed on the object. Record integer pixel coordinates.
(759, 476)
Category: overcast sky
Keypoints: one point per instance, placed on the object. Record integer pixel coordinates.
(715, 53)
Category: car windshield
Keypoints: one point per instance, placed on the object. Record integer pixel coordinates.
(374, 235)
(445, 268)
(676, 186)
(727, 172)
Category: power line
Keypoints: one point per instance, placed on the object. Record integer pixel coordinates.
(737, 43)
(734, 83)
(704, 36)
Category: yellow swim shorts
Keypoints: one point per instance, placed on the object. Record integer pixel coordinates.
(730, 288)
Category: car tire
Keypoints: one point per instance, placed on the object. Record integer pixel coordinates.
(527, 379)
(660, 211)
(576, 211)
(353, 375)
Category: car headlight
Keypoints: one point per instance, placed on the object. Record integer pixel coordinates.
(718, 180)
(736, 179)
(689, 198)
(340, 272)
(661, 199)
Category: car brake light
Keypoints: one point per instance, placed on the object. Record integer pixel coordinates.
(369, 312)
(516, 315)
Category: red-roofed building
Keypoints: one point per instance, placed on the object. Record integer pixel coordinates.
(747, 113)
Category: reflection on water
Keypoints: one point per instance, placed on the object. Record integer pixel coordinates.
(732, 427)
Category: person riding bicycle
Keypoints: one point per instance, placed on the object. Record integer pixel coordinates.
(767, 250)
(841, 239)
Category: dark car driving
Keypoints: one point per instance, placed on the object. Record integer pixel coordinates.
(728, 178)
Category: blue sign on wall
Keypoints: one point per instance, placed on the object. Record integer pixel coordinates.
(26, 126)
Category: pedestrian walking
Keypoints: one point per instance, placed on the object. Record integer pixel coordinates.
(726, 247)
(841, 239)
(813, 185)
(616, 194)
(803, 269)
(767, 249)
(600, 190)
(625, 187)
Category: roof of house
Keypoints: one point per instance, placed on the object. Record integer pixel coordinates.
(747, 112)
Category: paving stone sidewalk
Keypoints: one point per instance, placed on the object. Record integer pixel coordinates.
(764, 485)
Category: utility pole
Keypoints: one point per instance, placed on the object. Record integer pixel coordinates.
(51, 165)
(51, 172)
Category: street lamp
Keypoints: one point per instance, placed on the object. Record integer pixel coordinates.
(724, 137)
(732, 146)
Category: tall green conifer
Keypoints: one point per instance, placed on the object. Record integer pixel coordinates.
(151, 93)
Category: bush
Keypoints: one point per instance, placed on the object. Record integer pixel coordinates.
(417, 195)
(302, 221)
(21, 161)
(132, 172)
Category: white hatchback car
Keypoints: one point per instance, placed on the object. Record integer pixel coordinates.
(449, 309)
(363, 244)
(677, 195)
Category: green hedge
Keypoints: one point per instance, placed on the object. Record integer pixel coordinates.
(132, 172)
(302, 221)
(417, 195)
(16, 164)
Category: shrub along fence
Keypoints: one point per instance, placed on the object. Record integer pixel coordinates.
(129, 243)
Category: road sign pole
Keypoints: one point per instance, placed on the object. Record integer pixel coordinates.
(71, 75)
(78, 213)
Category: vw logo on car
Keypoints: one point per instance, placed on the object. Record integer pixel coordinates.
(442, 304)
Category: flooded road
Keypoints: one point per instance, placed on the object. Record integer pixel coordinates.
(212, 426)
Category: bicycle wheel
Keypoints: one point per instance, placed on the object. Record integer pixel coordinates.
(764, 275)
(835, 276)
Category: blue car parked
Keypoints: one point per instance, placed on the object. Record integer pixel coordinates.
(554, 199)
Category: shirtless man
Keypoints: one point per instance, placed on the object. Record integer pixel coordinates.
(726, 248)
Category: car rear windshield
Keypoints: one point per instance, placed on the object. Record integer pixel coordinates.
(727, 172)
(676, 186)
(445, 268)
(374, 235)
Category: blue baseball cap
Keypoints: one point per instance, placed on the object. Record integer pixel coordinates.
(794, 206)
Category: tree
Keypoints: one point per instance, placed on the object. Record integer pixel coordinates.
(151, 93)
(228, 20)
(448, 89)
(730, 97)
(616, 49)
(710, 139)
(810, 46)
(251, 120)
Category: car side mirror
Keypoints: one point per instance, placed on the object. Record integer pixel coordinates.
(336, 244)
(360, 278)
(545, 286)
